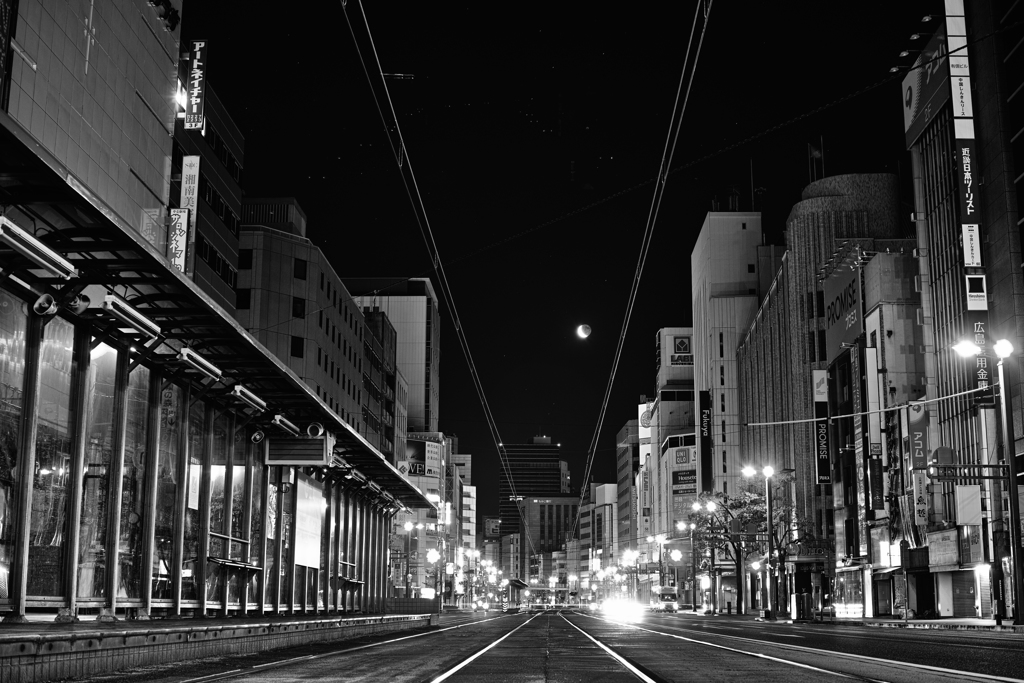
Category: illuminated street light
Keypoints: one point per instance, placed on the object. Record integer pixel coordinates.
(768, 471)
(1003, 349)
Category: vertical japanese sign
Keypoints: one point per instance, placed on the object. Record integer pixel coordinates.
(917, 422)
(965, 153)
(707, 470)
(821, 446)
(189, 201)
(980, 370)
(196, 95)
(177, 242)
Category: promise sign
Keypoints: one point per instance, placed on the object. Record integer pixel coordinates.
(843, 320)
(820, 378)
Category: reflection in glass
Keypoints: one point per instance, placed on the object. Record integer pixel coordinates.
(133, 486)
(271, 564)
(288, 513)
(256, 528)
(190, 548)
(216, 572)
(99, 435)
(13, 326)
(168, 466)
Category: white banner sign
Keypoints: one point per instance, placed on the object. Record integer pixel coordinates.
(972, 248)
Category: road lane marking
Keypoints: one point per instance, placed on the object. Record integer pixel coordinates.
(615, 655)
(827, 653)
(466, 662)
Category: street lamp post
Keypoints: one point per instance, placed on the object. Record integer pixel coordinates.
(1004, 349)
(683, 526)
(773, 596)
(660, 540)
(710, 506)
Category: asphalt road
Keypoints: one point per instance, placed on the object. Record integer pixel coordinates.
(566, 647)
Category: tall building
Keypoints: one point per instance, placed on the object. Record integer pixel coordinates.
(725, 276)
(547, 526)
(412, 307)
(673, 467)
(163, 441)
(291, 299)
(216, 153)
(787, 343)
(963, 131)
(380, 382)
(627, 463)
(599, 541)
(536, 468)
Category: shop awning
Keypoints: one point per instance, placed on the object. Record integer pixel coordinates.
(518, 583)
(42, 196)
(885, 570)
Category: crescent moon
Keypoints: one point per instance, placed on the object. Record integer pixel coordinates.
(583, 331)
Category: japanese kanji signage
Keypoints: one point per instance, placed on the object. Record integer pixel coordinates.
(196, 93)
(972, 245)
(980, 365)
(190, 199)
(177, 239)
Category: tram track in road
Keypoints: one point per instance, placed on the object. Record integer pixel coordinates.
(810, 658)
(248, 672)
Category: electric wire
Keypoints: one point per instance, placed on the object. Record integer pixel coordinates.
(671, 140)
(401, 153)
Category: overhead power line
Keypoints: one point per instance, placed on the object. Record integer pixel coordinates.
(671, 140)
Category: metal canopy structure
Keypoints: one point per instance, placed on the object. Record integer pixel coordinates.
(41, 196)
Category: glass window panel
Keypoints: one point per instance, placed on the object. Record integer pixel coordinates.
(168, 468)
(271, 561)
(99, 443)
(13, 328)
(215, 577)
(238, 503)
(196, 453)
(287, 521)
(256, 527)
(133, 485)
(218, 473)
(50, 500)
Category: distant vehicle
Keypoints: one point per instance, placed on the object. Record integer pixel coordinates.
(480, 606)
(667, 600)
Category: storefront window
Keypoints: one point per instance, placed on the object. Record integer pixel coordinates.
(238, 503)
(133, 486)
(849, 597)
(99, 439)
(196, 452)
(13, 327)
(168, 469)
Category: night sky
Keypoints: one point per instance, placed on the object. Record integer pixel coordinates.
(535, 133)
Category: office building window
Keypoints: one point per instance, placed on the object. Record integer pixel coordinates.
(243, 299)
(244, 259)
(298, 346)
(298, 307)
(300, 269)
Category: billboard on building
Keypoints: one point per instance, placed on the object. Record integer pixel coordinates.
(682, 351)
(423, 458)
(492, 527)
(189, 200)
(196, 95)
(707, 477)
(844, 320)
(926, 87)
(821, 437)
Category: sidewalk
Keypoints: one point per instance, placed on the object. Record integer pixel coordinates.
(952, 624)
